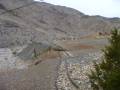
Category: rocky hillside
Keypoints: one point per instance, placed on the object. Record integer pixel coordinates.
(24, 21)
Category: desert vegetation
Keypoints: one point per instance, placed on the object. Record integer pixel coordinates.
(106, 75)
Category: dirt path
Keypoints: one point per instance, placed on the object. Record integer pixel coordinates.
(40, 77)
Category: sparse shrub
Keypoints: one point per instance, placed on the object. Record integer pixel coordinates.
(14, 52)
(35, 53)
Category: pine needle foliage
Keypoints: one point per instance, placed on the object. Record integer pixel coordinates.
(106, 75)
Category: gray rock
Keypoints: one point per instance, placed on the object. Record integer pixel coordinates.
(23, 21)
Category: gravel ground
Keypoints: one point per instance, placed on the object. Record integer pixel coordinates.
(40, 77)
(78, 68)
(17, 76)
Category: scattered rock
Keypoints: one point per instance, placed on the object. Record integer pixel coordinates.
(8, 61)
(78, 72)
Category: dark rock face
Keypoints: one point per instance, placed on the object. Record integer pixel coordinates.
(23, 21)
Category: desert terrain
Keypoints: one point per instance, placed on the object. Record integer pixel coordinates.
(49, 47)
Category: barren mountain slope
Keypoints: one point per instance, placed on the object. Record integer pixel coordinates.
(23, 21)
